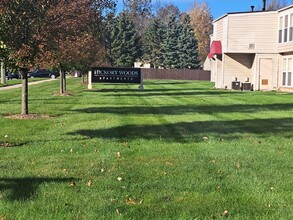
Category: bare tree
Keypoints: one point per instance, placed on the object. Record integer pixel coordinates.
(166, 11)
(140, 12)
(274, 4)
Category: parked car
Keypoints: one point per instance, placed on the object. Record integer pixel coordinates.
(43, 74)
(10, 75)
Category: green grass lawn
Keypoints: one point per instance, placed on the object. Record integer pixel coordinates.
(177, 150)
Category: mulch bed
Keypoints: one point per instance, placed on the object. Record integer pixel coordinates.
(29, 116)
(6, 145)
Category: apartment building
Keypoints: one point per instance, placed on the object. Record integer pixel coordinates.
(253, 50)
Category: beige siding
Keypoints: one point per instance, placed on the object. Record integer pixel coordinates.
(220, 27)
(237, 65)
(217, 71)
(220, 32)
(286, 47)
(253, 32)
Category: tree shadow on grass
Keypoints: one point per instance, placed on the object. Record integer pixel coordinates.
(162, 92)
(22, 189)
(186, 132)
(168, 82)
(187, 109)
(172, 93)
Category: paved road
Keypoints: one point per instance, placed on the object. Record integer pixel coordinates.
(19, 85)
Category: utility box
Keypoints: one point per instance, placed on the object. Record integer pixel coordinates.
(236, 85)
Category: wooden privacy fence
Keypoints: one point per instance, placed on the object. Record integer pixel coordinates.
(179, 74)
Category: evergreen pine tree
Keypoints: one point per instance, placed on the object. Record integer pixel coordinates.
(188, 48)
(152, 43)
(125, 46)
(170, 44)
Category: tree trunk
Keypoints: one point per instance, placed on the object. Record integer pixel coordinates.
(64, 82)
(24, 94)
(61, 82)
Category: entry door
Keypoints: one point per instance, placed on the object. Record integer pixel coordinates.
(266, 74)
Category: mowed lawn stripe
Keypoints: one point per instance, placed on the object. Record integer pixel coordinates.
(177, 150)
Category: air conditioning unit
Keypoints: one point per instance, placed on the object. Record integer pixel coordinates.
(246, 86)
(236, 85)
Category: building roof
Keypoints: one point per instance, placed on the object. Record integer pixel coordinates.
(252, 12)
(244, 12)
(285, 8)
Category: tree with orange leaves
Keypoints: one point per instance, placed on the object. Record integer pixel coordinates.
(69, 37)
(201, 21)
(19, 21)
(49, 33)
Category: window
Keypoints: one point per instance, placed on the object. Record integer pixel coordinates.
(291, 28)
(289, 79)
(284, 72)
(286, 29)
(280, 29)
(287, 72)
(284, 79)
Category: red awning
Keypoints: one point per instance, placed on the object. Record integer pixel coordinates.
(216, 48)
(210, 55)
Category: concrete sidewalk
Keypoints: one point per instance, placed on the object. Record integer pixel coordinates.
(19, 85)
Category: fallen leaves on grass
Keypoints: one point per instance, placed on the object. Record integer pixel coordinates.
(125, 144)
(225, 213)
(118, 212)
(238, 165)
(205, 138)
(89, 183)
(72, 184)
(130, 201)
(169, 163)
